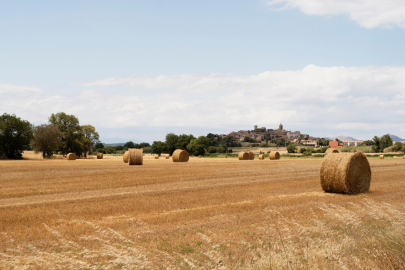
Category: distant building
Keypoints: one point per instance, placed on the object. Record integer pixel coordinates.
(293, 135)
(352, 143)
(334, 144)
(309, 143)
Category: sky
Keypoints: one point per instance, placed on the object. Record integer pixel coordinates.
(137, 70)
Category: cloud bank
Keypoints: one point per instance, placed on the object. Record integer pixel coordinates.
(323, 101)
(367, 13)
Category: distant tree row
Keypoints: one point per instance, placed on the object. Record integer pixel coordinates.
(195, 146)
(62, 134)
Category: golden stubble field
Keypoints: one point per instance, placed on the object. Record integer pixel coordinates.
(204, 214)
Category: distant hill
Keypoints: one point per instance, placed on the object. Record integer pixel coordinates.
(396, 138)
(342, 138)
(114, 144)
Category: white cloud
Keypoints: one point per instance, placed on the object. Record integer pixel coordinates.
(368, 13)
(8, 87)
(356, 101)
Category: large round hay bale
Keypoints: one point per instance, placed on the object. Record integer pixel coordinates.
(71, 156)
(180, 156)
(125, 156)
(331, 151)
(243, 156)
(261, 157)
(251, 156)
(346, 173)
(135, 156)
(381, 156)
(156, 156)
(99, 155)
(274, 155)
(167, 156)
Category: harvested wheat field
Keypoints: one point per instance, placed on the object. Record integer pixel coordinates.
(203, 214)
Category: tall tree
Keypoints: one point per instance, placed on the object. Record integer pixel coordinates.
(91, 137)
(376, 145)
(14, 134)
(183, 141)
(47, 139)
(159, 147)
(199, 146)
(129, 144)
(73, 139)
(385, 141)
(171, 141)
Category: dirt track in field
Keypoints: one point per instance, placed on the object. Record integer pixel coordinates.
(207, 213)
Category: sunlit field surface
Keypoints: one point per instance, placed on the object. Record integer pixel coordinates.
(204, 214)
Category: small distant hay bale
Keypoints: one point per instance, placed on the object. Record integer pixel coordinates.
(125, 156)
(261, 157)
(403, 157)
(251, 156)
(167, 156)
(274, 155)
(135, 156)
(243, 156)
(71, 156)
(331, 151)
(180, 156)
(345, 173)
(156, 156)
(99, 155)
(381, 156)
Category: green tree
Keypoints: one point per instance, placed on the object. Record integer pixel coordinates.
(15, 133)
(385, 141)
(73, 139)
(376, 145)
(398, 146)
(46, 139)
(91, 137)
(129, 144)
(144, 144)
(291, 148)
(159, 147)
(198, 146)
(99, 145)
(249, 139)
(171, 142)
(183, 141)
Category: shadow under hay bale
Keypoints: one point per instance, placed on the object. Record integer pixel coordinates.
(381, 156)
(71, 156)
(346, 173)
(135, 156)
(180, 156)
(274, 155)
(125, 156)
(100, 155)
(243, 156)
(251, 156)
(261, 157)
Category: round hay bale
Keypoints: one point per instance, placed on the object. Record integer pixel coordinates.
(156, 156)
(274, 155)
(135, 156)
(403, 157)
(167, 156)
(331, 150)
(346, 173)
(243, 156)
(261, 157)
(125, 156)
(381, 156)
(251, 156)
(180, 156)
(71, 156)
(99, 155)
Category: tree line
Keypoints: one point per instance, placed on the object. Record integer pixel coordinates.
(63, 134)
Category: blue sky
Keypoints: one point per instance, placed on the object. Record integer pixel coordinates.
(138, 70)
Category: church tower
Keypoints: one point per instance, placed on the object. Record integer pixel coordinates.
(280, 127)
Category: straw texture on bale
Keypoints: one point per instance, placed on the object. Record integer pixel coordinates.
(156, 156)
(167, 156)
(243, 156)
(71, 156)
(99, 155)
(180, 156)
(346, 173)
(331, 150)
(125, 157)
(261, 157)
(251, 156)
(135, 156)
(381, 156)
(274, 155)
